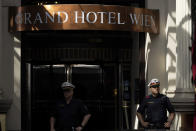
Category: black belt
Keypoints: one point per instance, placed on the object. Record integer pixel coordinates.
(66, 129)
(156, 126)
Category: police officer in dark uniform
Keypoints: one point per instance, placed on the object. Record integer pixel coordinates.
(154, 109)
(69, 114)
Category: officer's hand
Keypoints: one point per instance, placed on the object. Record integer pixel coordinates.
(79, 128)
(145, 124)
(52, 129)
(167, 124)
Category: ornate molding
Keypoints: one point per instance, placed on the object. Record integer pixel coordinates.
(183, 105)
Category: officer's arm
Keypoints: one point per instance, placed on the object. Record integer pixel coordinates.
(171, 110)
(85, 120)
(52, 122)
(140, 118)
(144, 124)
(171, 113)
(85, 113)
(171, 117)
(140, 111)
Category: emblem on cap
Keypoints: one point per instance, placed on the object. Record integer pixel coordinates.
(154, 82)
(67, 84)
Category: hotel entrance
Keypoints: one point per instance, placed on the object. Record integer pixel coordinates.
(104, 67)
(97, 85)
(96, 45)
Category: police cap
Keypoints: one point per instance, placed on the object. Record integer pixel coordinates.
(154, 83)
(66, 85)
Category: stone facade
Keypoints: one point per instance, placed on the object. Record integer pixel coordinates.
(169, 55)
(167, 58)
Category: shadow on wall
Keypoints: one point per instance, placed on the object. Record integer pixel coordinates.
(166, 61)
(162, 58)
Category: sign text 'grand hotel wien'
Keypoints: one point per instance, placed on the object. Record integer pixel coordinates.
(83, 17)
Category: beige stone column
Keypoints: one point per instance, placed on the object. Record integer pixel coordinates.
(184, 87)
(168, 55)
(3, 122)
(10, 71)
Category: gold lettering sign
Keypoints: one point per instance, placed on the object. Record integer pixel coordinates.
(83, 17)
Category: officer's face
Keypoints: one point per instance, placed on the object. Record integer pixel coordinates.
(68, 92)
(155, 90)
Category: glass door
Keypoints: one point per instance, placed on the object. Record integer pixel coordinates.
(96, 85)
(45, 90)
(126, 98)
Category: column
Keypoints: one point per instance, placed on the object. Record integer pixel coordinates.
(184, 89)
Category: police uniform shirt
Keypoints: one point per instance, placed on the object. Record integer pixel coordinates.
(69, 115)
(156, 108)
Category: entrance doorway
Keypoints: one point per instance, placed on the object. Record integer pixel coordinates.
(105, 92)
(105, 67)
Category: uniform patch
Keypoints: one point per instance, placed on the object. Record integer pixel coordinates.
(61, 105)
(150, 102)
(147, 96)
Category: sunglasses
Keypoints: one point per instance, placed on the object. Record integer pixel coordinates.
(67, 90)
(155, 86)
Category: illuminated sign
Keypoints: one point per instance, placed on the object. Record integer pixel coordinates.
(83, 17)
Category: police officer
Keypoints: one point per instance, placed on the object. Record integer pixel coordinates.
(154, 109)
(69, 114)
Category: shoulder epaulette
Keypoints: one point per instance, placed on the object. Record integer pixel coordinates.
(147, 97)
(163, 97)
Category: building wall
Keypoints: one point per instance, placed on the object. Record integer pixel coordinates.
(156, 47)
(168, 57)
(10, 68)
